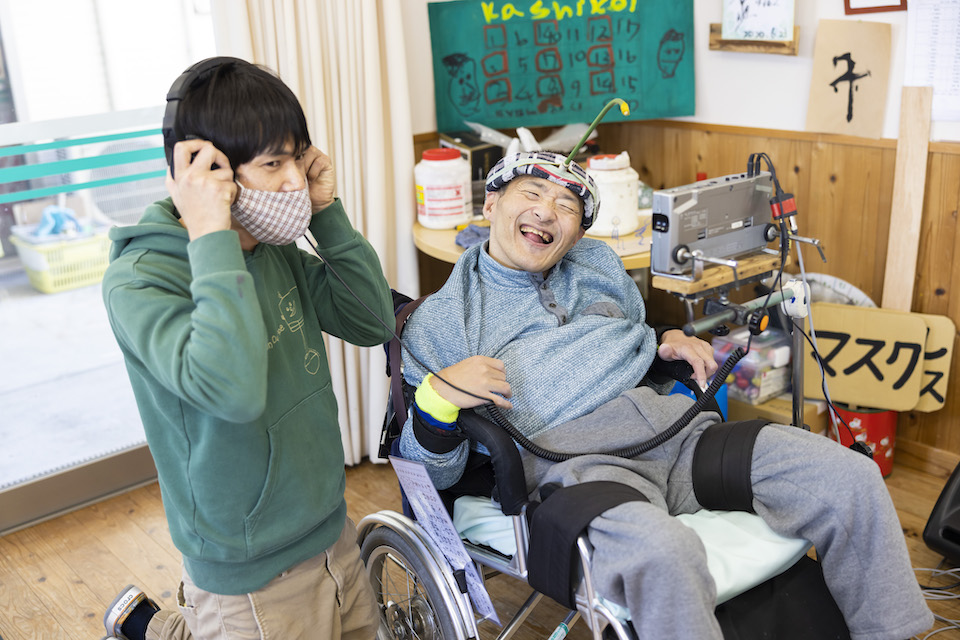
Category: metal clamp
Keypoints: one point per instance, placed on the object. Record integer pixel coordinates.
(814, 241)
(683, 254)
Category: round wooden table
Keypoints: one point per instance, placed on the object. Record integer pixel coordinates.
(634, 249)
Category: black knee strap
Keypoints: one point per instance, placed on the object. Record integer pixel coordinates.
(722, 463)
(554, 527)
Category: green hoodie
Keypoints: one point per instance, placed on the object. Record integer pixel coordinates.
(227, 361)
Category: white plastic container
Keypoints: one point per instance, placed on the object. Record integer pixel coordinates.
(444, 189)
(618, 184)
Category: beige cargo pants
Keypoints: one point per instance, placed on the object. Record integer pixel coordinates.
(327, 596)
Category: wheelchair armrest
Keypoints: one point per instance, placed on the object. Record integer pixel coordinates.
(505, 457)
(663, 371)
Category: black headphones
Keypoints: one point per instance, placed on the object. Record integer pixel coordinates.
(176, 93)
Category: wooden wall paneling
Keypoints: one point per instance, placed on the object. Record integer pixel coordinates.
(816, 205)
(823, 219)
(701, 155)
(676, 166)
(644, 143)
(846, 195)
(948, 211)
(865, 186)
(729, 153)
(939, 240)
(937, 462)
(928, 437)
(938, 277)
(844, 191)
(433, 272)
(937, 430)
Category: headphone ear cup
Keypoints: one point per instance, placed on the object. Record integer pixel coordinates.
(175, 94)
(167, 131)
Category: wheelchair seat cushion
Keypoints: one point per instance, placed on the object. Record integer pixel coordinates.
(742, 550)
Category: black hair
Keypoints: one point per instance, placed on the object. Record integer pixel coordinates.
(244, 110)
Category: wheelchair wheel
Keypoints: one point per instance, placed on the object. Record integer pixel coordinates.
(408, 589)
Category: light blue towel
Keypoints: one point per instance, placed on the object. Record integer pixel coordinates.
(742, 550)
(57, 221)
(472, 235)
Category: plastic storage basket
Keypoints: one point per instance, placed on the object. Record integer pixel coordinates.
(67, 264)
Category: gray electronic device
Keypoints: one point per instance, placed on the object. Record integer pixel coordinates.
(710, 221)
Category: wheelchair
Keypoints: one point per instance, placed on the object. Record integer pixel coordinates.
(420, 596)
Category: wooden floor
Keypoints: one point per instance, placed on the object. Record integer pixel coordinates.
(57, 577)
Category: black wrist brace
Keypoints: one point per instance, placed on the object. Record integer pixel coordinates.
(433, 438)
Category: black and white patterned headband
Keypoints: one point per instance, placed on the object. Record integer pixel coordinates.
(549, 166)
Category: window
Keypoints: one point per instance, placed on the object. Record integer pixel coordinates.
(69, 427)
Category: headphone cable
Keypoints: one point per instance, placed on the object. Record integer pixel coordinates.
(501, 420)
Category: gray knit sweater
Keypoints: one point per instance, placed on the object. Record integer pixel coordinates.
(569, 343)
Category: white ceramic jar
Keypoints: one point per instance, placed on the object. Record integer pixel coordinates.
(618, 184)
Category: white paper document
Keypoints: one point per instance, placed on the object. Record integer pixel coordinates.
(933, 54)
(432, 516)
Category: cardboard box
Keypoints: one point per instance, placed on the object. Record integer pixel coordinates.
(881, 358)
(779, 409)
(481, 155)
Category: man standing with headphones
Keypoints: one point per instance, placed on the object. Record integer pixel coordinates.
(220, 319)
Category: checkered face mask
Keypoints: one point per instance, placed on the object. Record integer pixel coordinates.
(273, 217)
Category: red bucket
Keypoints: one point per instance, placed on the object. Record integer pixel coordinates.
(876, 428)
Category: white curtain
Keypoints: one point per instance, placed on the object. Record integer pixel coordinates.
(345, 61)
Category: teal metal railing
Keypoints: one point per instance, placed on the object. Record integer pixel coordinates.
(81, 135)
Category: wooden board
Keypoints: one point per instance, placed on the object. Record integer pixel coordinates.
(937, 359)
(719, 276)
(787, 48)
(908, 188)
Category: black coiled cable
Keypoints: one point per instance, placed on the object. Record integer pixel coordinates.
(553, 456)
(628, 452)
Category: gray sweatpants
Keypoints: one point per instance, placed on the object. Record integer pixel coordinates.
(804, 486)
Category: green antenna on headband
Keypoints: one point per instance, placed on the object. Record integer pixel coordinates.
(624, 109)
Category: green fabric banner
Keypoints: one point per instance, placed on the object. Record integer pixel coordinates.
(548, 63)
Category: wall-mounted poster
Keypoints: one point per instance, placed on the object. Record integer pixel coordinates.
(851, 68)
(537, 63)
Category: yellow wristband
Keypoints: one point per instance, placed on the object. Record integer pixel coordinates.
(431, 402)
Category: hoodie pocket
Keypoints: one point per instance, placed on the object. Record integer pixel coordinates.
(305, 478)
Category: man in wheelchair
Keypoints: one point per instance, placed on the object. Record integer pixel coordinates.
(547, 328)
